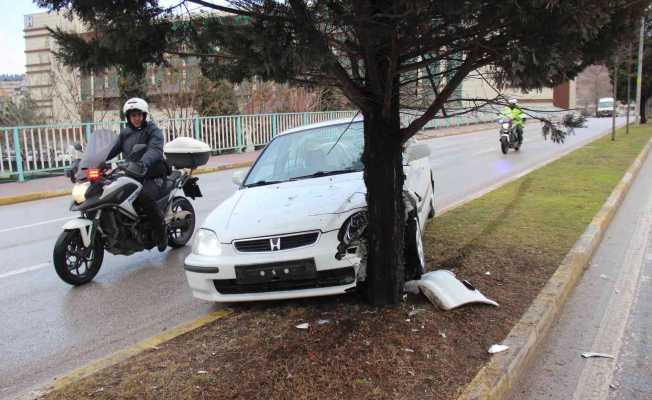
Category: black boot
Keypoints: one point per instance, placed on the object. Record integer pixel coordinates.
(156, 220)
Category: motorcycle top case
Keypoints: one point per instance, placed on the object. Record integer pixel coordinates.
(185, 152)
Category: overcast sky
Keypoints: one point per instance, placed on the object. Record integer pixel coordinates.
(12, 42)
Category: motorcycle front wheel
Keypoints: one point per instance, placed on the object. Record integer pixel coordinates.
(504, 145)
(75, 263)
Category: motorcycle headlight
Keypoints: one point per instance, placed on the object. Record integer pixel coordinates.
(505, 125)
(206, 243)
(79, 192)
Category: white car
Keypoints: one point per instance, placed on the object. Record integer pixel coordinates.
(295, 228)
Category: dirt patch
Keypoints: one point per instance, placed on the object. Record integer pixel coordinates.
(506, 243)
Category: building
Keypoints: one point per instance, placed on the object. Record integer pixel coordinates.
(53, 87)
(12, 90)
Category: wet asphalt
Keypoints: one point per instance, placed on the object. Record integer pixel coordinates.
(48, 328)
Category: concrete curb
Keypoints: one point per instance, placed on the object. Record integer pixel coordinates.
(496, 379)
(22, 198)
(121, 355)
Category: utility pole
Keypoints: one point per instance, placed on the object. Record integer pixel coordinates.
(629, 85)
(639, 75)
(615, 97)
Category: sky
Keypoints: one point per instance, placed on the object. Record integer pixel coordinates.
(12, 43)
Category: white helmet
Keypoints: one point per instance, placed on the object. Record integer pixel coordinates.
(513, 101)
(135, 103)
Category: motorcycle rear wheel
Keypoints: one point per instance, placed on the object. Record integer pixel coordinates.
(180, 231)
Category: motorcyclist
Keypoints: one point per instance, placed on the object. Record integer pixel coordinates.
(151, 167)
(514, 113)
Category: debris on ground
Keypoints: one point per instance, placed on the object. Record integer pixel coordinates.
(415, 312)
(442, 334)
(443, 289)
(497, 348)
(323, 321)
(202, 372)
(596, 355)
(305, 325)
(487, 273)
(411, 287)
(603, 276)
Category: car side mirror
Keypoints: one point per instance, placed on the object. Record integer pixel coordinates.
(418, 151)
(238, 177)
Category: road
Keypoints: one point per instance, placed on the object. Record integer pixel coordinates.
(49, 328)
(609, 312)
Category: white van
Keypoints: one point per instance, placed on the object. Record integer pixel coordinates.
(605, 107)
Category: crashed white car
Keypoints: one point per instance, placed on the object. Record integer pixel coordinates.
(295, 228)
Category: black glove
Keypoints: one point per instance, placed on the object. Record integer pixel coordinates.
(135, 169)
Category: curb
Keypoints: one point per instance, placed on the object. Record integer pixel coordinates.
(151, 343)
(22, 198)
(496, 379)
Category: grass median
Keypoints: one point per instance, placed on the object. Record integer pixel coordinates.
(507, 243)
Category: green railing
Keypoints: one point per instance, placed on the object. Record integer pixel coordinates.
(26, 150)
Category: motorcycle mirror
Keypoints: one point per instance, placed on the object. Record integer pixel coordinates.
(77, 147)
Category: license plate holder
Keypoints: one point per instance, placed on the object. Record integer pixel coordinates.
(276, 272)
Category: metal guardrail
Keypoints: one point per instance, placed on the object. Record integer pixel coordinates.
(28, 150)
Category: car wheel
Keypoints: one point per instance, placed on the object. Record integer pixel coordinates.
(415, 259)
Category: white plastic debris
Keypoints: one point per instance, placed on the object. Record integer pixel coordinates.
(442, 334)
(497, 348)
(409, 350)
(487, 273)
(323, 321)
(443, 289)
(411, 287)
(305, 325)
(202, 372)
(596, 355)
(603, 276)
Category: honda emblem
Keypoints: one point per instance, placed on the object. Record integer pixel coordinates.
(275, 243)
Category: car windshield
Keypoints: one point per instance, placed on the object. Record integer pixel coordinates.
(310, 153)
(606, 104)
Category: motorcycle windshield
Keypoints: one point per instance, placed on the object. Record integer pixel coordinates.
(97, 149)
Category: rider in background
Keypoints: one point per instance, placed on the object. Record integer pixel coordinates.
(514, 113)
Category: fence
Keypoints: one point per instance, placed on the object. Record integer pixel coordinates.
(28, 150)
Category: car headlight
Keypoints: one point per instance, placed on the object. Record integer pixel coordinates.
(206, 243)
(79, 192)
(505, 125)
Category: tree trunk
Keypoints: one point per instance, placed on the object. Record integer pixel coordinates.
(384, 179)
(642, 109)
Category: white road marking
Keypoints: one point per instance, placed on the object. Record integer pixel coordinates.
(35, 224)
(24, 270)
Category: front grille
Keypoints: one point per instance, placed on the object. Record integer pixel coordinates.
(276, 243)
(331, 277)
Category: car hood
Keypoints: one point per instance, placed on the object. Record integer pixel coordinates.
(302, 205)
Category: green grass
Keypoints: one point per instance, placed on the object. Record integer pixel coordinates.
(544, 212)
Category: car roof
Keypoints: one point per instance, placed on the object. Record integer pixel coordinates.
(325, 124)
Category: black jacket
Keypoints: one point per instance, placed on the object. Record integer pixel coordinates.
(150, 135)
